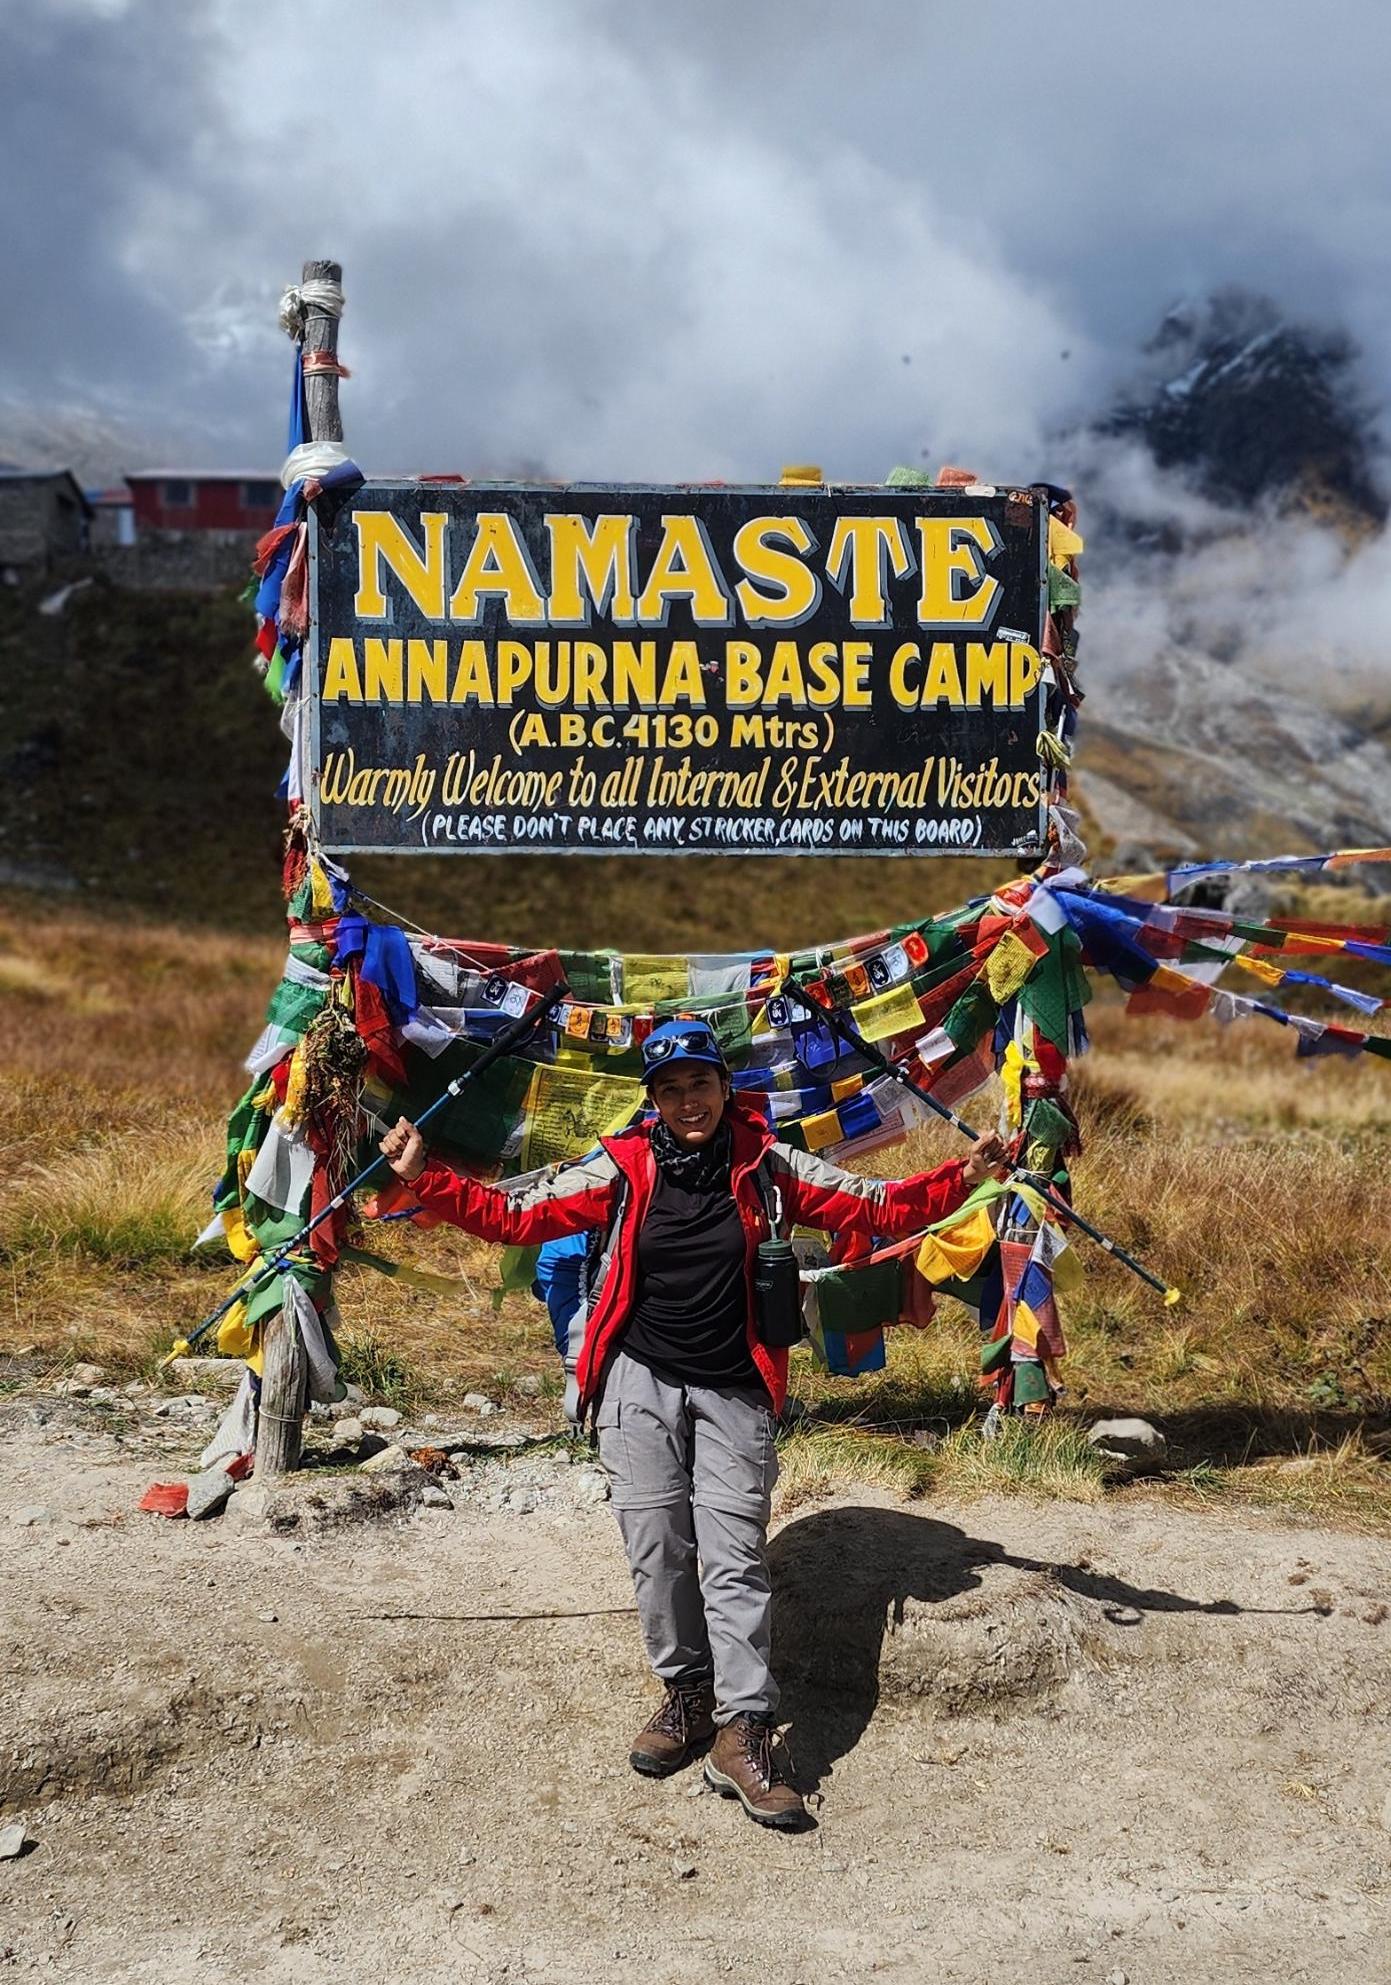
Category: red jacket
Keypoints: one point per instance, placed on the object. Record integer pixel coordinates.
(804, 1190)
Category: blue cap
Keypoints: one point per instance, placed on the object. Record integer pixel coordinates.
(680, 1040)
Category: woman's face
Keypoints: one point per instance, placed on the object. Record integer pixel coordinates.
(690, 1099)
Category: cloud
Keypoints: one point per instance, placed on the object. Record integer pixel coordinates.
(668, 242)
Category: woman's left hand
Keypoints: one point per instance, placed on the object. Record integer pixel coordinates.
(989, 1159)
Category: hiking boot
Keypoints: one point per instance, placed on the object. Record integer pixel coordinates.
(683, 1725)
(745, 1765)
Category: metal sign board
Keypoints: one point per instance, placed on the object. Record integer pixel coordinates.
(499, 668)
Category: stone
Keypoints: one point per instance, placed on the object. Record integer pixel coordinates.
(347, 1433)
(390, 1461)
(186, 1406)
(432, 1496)
(591, 1485)
(209, 1493)
(30, 1516)
(1134, 1443)
(249, 1508)
(528, 1385)
(521, 1501)
(218, 1376)
(478, 1402)
(72, 1388)
(268, 1619)
(13, 1841)
(1117, 1977)
(682, 1869)
(88, 1374)
(383, 1418)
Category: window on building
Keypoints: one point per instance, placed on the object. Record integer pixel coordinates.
(260, 495)
(178, 495)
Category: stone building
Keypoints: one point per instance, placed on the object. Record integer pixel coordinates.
(44, 518)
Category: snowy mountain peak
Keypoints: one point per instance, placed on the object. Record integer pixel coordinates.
(1255, 408)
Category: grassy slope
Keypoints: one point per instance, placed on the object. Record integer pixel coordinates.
(141, 757)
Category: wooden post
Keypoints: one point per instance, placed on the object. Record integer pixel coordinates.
(285, 1373)
(284, 1381)
(321, 335)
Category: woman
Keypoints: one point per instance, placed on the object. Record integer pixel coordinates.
(668, 1359)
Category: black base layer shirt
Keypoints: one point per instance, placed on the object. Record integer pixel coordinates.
(690, 1319)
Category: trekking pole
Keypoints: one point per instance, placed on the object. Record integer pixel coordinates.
(511, 1036)
(845, 1029)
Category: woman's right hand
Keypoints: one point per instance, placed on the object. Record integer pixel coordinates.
(404, 1150)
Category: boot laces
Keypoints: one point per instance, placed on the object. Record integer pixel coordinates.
(756, 1741)
(674, 1717)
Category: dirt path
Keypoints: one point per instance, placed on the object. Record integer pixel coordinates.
(1049, 1743)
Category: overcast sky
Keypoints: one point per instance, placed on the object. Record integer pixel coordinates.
(686, 238)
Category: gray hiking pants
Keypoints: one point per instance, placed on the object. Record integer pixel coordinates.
(692, 1470)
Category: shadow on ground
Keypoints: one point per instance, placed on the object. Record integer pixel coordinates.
(844, 1580)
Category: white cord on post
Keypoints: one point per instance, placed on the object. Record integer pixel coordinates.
(299, 298)
(312, 458)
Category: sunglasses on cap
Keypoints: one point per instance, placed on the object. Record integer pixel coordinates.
(675, 1045)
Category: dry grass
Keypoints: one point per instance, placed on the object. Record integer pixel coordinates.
(1052, 1461)
(1256, 1183)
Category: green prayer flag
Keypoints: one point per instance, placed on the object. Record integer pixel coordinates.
(1063, 590)
(855, 1299)
(1056, 988)
(589, 975)
(292, 1007)
(972, 1017)
(1045, 1124)
(1031, 1387)
(515, 1274)
(994, 1352)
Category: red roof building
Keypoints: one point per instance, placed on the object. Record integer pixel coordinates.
(204, 500)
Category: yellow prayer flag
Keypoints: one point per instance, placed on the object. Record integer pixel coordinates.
(1260, 967)
(1144, 888)
(236, 1338)
(848, 1085)
(1068, 1272)
(893, 1012)
(648, 978)
(1024, 1327)
(1063, 542)
(957, 1251)
(1007, 967)
(242, 1244)
(1012, 1081)
(320, 890)
(821, 1130)
(567, 1111)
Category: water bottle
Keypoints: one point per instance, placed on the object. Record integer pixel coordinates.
(777, 1295)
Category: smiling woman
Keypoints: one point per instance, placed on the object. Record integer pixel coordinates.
(683, 1370)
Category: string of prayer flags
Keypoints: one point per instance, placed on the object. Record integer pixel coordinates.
(369, 1023)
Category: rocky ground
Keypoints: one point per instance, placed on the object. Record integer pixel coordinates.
(374, 1727)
